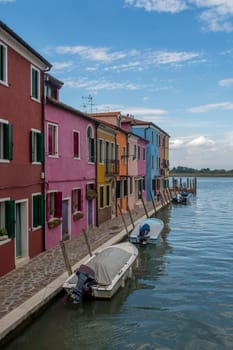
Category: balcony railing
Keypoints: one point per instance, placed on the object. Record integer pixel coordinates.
(111, 167)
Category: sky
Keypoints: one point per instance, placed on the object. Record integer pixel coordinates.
(169, 62)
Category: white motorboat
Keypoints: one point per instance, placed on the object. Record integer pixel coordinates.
(103, 273)
(146, 231)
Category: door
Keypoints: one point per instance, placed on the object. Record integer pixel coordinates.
(90, 213)
(18, 230)
(65, 222)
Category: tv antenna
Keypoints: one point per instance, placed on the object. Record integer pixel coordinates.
(89, 99)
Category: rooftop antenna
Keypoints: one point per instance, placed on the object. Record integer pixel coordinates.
(89, 99)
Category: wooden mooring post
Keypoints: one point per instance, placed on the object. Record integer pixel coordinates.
(153, 202)
(123, 219)
(87, 242)
(131, 217)
(65, 256)
(147, 215)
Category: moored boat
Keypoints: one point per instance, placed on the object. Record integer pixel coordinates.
(103, 273)
(146, 231)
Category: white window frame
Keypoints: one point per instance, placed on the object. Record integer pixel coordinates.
(76, 132)
(35, 131)
(37, 98)
(55, 154)
(4, 81)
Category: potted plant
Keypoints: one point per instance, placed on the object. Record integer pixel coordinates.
(3, 234)
(54, 222)
(77, 215)
(91, 193)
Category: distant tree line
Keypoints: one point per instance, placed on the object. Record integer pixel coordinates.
(204, 171)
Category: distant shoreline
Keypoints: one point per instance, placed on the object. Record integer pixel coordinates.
(200, 175)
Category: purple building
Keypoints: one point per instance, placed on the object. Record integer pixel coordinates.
(70, 169)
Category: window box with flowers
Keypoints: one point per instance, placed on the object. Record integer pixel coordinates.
(3, 234)
(91, 194)
(54, 222)
(77, 215)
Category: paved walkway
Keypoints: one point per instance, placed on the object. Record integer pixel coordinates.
(25, 289)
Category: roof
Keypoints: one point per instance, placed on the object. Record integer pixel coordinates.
(23, 43)
(135, 122)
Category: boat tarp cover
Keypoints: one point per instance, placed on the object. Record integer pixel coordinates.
(108, 263)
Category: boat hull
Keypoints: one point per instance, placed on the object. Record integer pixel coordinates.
(107, 291)
(156, 227)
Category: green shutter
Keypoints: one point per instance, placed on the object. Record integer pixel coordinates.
(10, 218)
(40, 147)
(35, 211)
(32, 146)
(1, 63)
(8, 141)
(41, 208)
(34, 83)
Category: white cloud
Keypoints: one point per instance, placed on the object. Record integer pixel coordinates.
(146, 112)
(216, 15)
(96, 85)
(94, 53)
(165, 57)
(213, 106)
(62, 65)
(200, 142)
(5, 1)
(226, 82)
(172, 6)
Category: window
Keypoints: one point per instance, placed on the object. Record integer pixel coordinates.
(125, 187)
(131, 184)
(152, 162)
(37, 210)
(76, 144)
(139, 153)
(118, 189)
(54, 204)
(144, 153)
(7, 217)
(117, 152)
(101, 196)
(152, 137)
(124, 155)
(35, 83)
(37, 146)
(108, 195)
(77, 200)
(3, 64)
(6, 149)
(52, 140)
(101, 151)
(91, 145)
(134, 151)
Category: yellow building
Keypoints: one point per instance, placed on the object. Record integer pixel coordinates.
(106, 171)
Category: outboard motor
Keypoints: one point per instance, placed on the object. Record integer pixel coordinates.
(143, 233)
(86, 276)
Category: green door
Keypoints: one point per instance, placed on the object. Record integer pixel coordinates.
(18, 230)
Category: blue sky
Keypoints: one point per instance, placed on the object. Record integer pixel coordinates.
(165, 61)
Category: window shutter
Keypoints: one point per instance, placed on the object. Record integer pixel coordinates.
(92, 150)
(32, 153)
(58, 204)
(47, 206)
(35, 211)
(80, 200)
(41, 209)
(8, 141)
(40, 147)
(76, 150)
(10, 218)
(1, 63)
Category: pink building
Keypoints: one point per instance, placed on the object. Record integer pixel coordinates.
(70, 169)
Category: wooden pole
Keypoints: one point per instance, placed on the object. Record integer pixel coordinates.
(65, 256)
(130, 215)
(144, 207)
(123, 219)
(153, 202)
(87, 242)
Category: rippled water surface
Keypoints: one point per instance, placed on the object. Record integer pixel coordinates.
(180, 298)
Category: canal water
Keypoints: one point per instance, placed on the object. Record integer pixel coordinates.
(181, 296)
